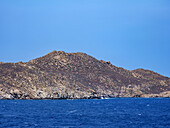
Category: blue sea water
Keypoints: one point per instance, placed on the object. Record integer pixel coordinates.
(111, 113)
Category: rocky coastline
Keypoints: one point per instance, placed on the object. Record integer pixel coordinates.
(61, 75)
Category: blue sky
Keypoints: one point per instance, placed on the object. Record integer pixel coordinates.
(130, 33)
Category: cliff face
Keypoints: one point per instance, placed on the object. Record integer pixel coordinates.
(60, 75)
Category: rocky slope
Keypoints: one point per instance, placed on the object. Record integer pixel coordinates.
(60, 75)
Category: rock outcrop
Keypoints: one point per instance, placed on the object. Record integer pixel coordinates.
(60, 75)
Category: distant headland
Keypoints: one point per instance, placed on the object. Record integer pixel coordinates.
(60, 75)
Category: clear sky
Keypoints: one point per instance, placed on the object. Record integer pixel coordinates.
(129, 33)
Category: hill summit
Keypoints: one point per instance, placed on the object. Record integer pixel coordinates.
(60, 75)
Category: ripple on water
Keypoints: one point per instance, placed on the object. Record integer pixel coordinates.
(118, 112)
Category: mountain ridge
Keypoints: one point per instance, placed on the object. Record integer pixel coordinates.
(61, 75)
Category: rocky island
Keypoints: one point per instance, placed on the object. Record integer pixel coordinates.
(60, 75)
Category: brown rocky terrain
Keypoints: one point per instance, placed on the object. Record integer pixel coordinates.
(60, 75)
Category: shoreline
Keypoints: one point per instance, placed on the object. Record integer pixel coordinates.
(91, 98)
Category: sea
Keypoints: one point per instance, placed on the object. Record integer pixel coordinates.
(86, 113)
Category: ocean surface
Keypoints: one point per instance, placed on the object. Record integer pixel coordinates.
(104, 113)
